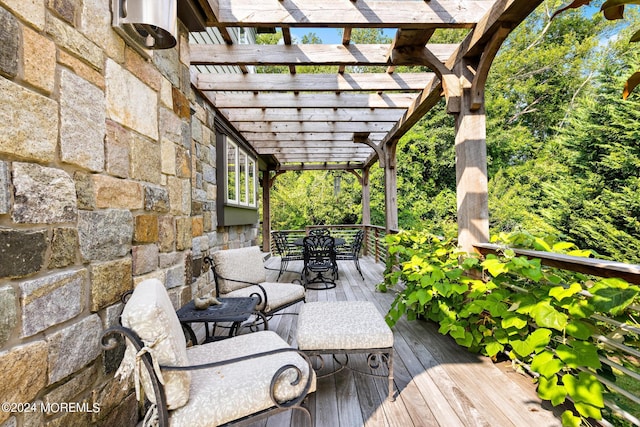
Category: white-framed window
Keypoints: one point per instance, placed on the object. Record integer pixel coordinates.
(240, 176)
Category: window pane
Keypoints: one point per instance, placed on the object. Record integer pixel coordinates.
(252, 182)
(232, 154)
(242, 179)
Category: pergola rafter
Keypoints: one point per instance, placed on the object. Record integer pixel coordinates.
(305, 121)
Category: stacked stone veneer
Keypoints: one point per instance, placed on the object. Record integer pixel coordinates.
(107, 177)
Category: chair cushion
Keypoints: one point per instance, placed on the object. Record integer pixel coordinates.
(342, 325)
(244, 264)
(150, 314)
(279, 294)
(229, 392)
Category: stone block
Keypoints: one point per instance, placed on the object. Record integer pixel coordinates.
(166, 95)
(168, 157)
(84, 190)
(82, 69)
(51, 300)
(131, 102)
(75, 42)
(24, 373)
(179, 195)
(197, 226)
(109, 280)
(73, 347)
(117, 150)
(64, 247)
(145, 229)
(32, 11)
(176, 276)
(116, 193)
(105, 235)
(43, 195)
(156, 199)
(69, 391)
(183, 162)
(166, 233)
(39, 55)
(82, 122)
(170, 126)
(110, 396)
(181, 104)
(209, 173)
(33, 133)
(95, 24)
(145, 259)
(67, 10)
(170, 259)
(10, 41)
(145, 160)
(22, 252)
(183, 233)
(5, 188)
(8, 313)
(142, 69)
(70, 419)
(124, 414)
(167, 62)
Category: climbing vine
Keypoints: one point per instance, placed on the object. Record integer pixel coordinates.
(508, 305)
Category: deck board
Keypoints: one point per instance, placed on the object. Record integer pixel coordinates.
(438, 383)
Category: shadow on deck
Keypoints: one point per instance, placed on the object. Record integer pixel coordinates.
(438, 383)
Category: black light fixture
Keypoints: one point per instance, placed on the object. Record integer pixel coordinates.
(146, 24)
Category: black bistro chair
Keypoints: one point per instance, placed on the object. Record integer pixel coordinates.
(288, 252)
(319, 232)
(351, 252)
(319, 258)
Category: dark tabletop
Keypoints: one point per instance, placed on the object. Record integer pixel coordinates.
(230, 310)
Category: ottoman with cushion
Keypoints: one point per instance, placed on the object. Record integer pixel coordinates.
(346, 327)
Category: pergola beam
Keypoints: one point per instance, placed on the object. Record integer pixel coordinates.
(314, 82)
(305, 100)
(340, 13)
(322, 166)
(301, 54)
(318, 127)
(312, 115)
(305, 137)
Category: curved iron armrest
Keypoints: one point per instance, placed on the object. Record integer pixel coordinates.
(261, 298)
(109, 343)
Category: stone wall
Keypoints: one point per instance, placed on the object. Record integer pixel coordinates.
(106, 178)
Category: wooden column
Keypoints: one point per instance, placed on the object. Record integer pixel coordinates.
(471, 163)
(266, 211)
(390, 187)
(366, 198)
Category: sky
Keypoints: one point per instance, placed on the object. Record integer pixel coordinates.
(328, 35)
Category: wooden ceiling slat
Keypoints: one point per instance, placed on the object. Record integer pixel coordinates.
(305, 100)
(256, 137)
(314, 82)
(285, 151)
(361, 13)
(312, 115)
(296, 127)
(291, 145)
(302, 54)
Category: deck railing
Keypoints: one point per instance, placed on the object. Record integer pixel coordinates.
(623, 382)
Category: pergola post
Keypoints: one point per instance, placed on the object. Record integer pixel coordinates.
(366, 198)
(390, 187)
(471, 163)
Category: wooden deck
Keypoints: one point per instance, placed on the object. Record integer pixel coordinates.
(438, 383)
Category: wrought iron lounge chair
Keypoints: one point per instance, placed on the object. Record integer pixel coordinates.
(288, 252)
(319, 258)
(351, 252)
(218, 383)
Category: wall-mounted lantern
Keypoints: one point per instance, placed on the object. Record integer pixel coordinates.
(146, 24)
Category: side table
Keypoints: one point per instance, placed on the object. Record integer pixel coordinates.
(230, 310)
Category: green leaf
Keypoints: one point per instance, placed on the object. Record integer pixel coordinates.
(581, 354)
(514, 321)
(522, 348)
(587, 410)
(548, 317)
(560, 293)
(570, 420)
(495, 267)
(549, 389)
(579, 329)
(424, 296)
(580, 309)
(539, 339)
(584, 388)
(612, 300)
(546, 364)
(492, 348)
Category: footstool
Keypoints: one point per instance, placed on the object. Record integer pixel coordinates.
(346, 327)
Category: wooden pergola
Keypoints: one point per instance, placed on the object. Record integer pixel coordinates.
(351, 120)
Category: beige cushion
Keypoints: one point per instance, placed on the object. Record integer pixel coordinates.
(279, 294)
(244, 264)
(150, 314)
(342, 325)
(230, 392)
